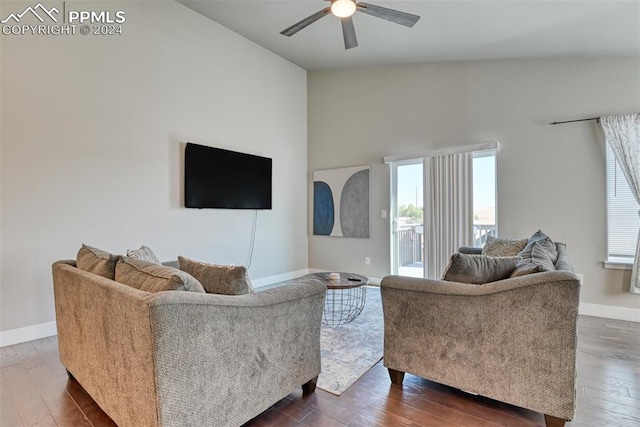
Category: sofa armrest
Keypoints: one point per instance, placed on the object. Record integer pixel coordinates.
(257, 348)
(105, 342)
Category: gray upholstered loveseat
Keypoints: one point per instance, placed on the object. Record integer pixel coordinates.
(179, 358)
(513, 340)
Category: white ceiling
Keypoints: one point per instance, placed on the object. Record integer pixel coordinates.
(447, 31)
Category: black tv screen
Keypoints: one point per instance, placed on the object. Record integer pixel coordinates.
(217, 178)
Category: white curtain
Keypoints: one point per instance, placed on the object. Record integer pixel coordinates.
(623, 136)
(449, 209)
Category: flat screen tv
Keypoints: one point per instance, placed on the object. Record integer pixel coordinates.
(217, 178)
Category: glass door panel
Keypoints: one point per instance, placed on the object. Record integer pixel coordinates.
(408, 218)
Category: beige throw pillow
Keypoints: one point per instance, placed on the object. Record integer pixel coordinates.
(503, 247)
(144, 254)
(478, 269)
(97, 261)
(218, 279)
(151, 277)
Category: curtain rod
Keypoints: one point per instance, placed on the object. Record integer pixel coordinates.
(579, 120)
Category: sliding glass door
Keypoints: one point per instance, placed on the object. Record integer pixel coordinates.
(439, 201)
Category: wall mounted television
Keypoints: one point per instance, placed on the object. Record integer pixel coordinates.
(223, 179)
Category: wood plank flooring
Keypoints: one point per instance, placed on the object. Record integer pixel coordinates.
(35, 391)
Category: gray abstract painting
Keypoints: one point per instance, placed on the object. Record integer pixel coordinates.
(341, 202)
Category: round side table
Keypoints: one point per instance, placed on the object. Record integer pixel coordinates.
(345, 298)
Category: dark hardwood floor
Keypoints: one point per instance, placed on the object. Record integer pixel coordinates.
(35, 391)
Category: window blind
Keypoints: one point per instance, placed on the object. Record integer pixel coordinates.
(622, 212)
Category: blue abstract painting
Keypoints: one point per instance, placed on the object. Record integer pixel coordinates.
(341, 202)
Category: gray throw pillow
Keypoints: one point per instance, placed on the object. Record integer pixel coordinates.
(218, 279)
(144, 254)
(503, 247)
(151, 277)
(97, 261)
(526, 266)
(541, 255)
(546, 244)
(538, 261)
(478, 269)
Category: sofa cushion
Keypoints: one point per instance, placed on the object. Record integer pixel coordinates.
(218, 279)
(151, 277)
(503, 247)
(144, 253)
(97, 261)
(478, 269)
(546, 244)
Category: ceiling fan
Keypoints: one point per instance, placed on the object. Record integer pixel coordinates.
(344, 9)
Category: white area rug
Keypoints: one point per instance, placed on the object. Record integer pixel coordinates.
(349, 351)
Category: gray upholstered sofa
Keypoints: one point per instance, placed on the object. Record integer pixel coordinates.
(513, 340)
(179, 358)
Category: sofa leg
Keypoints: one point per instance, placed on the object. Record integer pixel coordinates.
(553, 421)
(396, 376)
(310, 386)
(70, 375)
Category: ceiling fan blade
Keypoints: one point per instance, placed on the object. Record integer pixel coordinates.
(402, 18)
(305, 22)
(349, 33)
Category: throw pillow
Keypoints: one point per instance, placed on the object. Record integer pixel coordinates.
(539, 260)
(478, 269)
(526, 266)
(503, 247)
(96, 261)
(151, 277)
(144, 254)
(218, 279)
(541, 255)
(546, 243)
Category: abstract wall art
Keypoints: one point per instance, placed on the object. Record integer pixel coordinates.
(341, 202)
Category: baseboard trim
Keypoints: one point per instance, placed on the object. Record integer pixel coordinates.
(29, 333)
(610, 312)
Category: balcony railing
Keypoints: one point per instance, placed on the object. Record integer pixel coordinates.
(410, 246)
(410, 241)
(481, 232)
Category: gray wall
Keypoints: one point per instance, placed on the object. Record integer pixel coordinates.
(91, 147)
(549, 177)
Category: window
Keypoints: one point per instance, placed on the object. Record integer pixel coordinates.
(484, 196)
(623, 221)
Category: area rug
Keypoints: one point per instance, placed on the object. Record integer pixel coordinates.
(349, 351)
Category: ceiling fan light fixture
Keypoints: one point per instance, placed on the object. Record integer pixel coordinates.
(343, 8)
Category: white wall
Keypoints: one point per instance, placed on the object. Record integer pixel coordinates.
(549, 177)
(92, 147)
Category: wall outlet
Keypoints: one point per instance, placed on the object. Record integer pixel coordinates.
(367, 260)
(383, 214)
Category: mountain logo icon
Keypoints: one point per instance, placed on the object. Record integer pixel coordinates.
(38, 11)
